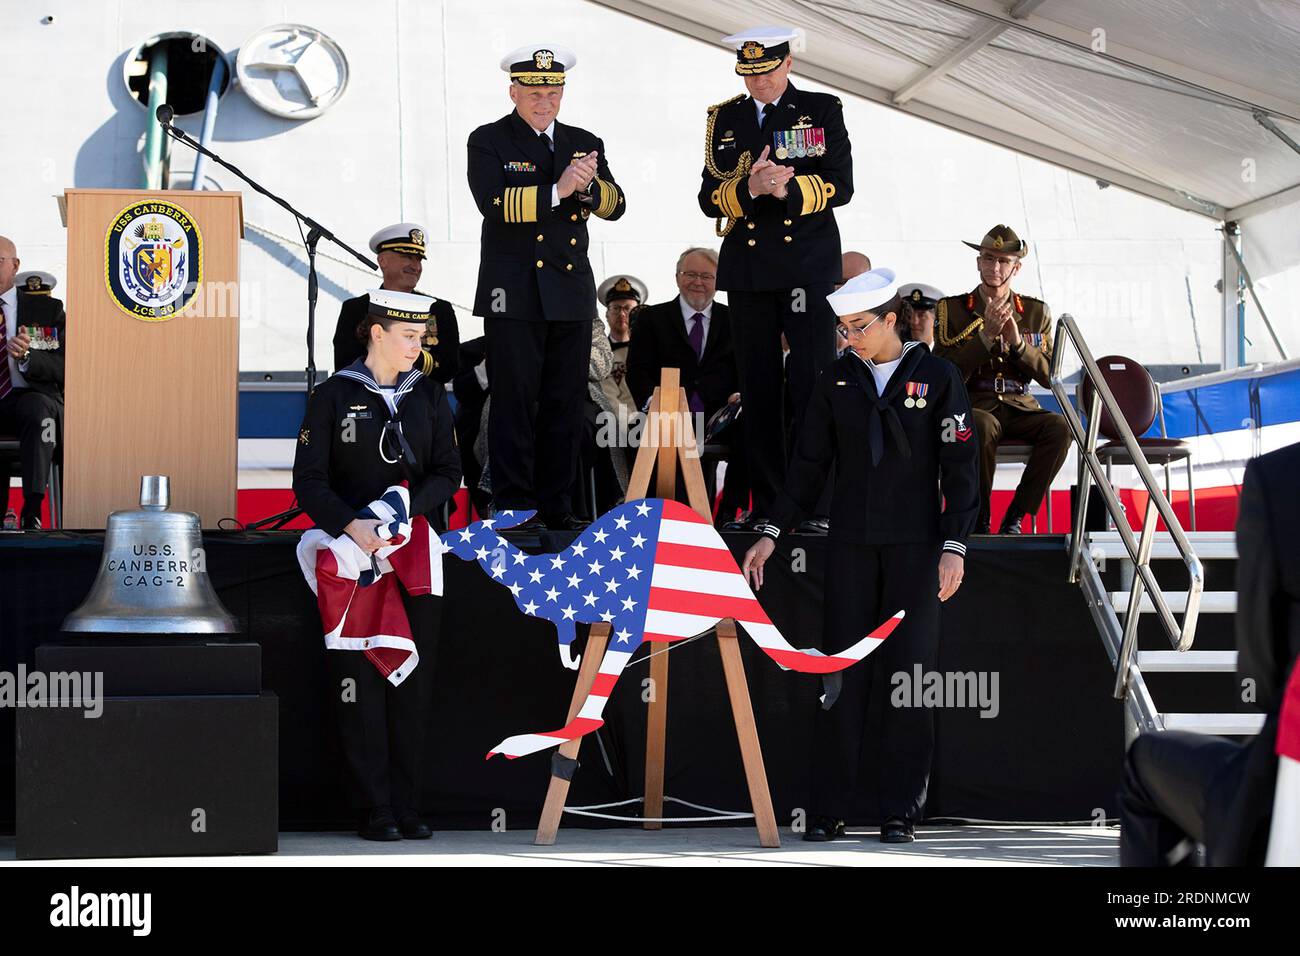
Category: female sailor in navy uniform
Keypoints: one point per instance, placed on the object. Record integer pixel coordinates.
(894, 421)
(373, 425)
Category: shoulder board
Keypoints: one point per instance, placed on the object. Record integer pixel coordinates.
(735, 99)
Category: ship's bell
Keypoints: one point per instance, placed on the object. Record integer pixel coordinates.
(153, 577)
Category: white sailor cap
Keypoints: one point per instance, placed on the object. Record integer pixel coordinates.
(35, 282)
(400, 306)
(621, 286)
(919, 295)
(864, 293)
(539, 64)
(399, 237)
(761, 49)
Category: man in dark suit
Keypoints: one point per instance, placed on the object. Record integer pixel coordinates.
(537, 181)
(1182, 787)
(692, 333)
(776, 163)
(400, 251)
(33, 339)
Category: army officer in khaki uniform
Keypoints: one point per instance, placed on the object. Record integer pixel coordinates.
(1001, 341)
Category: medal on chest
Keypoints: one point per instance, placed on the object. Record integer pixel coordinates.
(916, 394)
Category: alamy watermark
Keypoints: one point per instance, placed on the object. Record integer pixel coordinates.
(946, 689)
(73, 689)
(635, 429)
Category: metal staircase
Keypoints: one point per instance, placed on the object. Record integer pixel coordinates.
(1127, 577)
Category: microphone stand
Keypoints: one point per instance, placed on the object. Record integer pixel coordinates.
(315, 232)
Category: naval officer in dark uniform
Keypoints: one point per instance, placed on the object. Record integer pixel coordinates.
(371, 425)
(400, 250)
(894, 422)
(1002, 340)
(776, 163)
(537, 181)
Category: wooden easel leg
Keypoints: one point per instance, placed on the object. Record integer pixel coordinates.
(751, 752)
(656, 736)
(558, 790)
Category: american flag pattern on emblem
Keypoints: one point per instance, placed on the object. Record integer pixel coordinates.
(651, 569)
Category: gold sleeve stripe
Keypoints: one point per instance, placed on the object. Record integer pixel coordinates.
(815, 192)
(608, 198)
(521, 204)
(726, 199)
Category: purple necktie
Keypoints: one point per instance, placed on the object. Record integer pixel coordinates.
(6, 381)
(696, 335)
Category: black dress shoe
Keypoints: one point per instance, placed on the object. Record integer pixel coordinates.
(982, 526)
(412, 827)
(379, 824)
(1011, 523)
(740, 523)
(566, 522)
(896, 830)
(30, 523)
(533, 525)
(818, 526)
(824, 829)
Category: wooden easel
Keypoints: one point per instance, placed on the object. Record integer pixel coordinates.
(676, 445)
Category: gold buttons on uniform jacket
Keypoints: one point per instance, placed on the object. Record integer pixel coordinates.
(573, 242)
(539, 263)
(540, 237)
(574, 217)
(788, 239)
(568, 267)
(752, 242)
(749, 225)
(787, 222)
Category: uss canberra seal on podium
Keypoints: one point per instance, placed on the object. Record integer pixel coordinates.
(153, 260)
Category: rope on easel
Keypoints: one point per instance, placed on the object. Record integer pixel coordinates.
(671, 647)
(587, 811)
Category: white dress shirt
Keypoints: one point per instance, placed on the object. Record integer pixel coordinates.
(759, 106)
(688, 313)
(10, 302)
(555, 188)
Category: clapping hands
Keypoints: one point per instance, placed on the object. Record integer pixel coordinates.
(577, 176)
(769, 178)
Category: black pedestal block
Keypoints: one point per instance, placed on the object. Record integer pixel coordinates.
(143, 669)
(151, 776)
(171, 751)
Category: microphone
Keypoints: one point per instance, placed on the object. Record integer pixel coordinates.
(164, 115)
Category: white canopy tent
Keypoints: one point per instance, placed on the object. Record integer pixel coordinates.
(1192, 102)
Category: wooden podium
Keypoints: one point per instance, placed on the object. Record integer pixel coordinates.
(151, 389)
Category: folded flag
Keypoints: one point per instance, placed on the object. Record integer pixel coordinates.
(357, 593)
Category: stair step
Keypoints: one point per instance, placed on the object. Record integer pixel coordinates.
(1187, 662)
(1212, 602)
(1206, 544)
(1233, 724)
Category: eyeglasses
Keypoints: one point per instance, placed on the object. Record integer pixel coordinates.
(698, 276)
(997, 260)
(848, 332)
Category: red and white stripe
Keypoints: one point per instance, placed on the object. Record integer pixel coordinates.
(696, 583)
(1284, 832)
(588, 719)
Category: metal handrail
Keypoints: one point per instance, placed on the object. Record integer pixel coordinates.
(1139, 548)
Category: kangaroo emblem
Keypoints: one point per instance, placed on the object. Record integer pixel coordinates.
(653, 570)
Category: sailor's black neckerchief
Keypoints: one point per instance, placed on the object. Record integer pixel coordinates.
(882, 405)
(406, 381)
